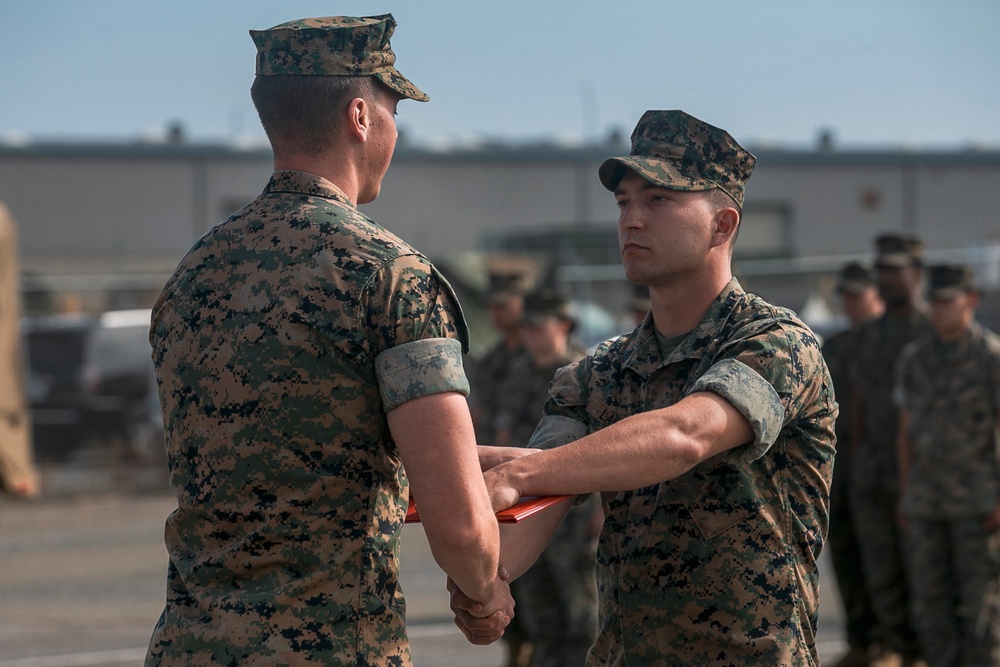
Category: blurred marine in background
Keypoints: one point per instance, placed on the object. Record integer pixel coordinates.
(557, 597)
(860, 302)
(874, 479)
(948, 391)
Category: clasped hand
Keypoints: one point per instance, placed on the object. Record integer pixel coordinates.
(478, 625)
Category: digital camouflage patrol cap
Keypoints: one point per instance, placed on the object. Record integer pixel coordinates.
(333, 46)
(897, 250)
(677, 151)
(948, 281)
(545, 304)
(854, 278)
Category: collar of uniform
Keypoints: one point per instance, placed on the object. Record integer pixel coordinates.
(974, 332)
(304, 183)
(643, 355)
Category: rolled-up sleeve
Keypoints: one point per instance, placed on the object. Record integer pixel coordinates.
(753, 397)
(420, 368)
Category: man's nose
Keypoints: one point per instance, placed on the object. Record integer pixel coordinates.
(630, 218)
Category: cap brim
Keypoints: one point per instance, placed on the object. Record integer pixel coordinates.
(853, 286)
(945, 293)
(401, 85)
(664, 173)
(894, 260)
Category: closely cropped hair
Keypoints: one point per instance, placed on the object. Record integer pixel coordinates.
(300, 114)
(720, 199)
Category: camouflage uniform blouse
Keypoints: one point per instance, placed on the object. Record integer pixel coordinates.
(523, 394)
(718, 566)
(874, 463)
(280, 342)
(487, 378)
(952, 392)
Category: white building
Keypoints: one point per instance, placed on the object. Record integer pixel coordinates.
(102, 225)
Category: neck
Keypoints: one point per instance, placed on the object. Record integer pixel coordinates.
(552, 356)
(901, 309)
(679, 307)
(334, 167)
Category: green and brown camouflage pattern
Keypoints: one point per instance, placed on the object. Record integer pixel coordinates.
(717, 566)
(956, 602)
(874, 475)
(333, 46)
(675, 150)
(274, 343)
(854, 278)
(952, 394)
(839, 351)
(557, 597)
(898, 250)
(946, 281)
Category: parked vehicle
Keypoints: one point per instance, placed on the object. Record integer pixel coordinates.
(90, 384)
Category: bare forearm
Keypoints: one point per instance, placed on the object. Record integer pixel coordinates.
(436, 442)
(640, 450)
(522, 543)
(469, 553)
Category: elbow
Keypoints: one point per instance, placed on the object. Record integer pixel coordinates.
(464, 540)
(690, 445)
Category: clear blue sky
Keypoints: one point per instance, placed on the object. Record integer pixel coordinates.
(921, 73)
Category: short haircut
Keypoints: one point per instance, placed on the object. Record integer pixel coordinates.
(720, 199)
(301, 114)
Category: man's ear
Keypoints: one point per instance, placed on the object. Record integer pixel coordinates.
(358, 118)
(727, 221)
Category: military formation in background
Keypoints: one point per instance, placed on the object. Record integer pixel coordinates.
(557, 597)
(915, 501)
(487, 375)
(860, 303)
(948, 394)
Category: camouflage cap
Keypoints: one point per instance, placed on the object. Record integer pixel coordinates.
(544, 304)
(897, 250)
(948, 281)
(677, 151)
(854, 278)
(333, 46)
(507, 284)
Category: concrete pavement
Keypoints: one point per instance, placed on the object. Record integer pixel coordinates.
(82, 580)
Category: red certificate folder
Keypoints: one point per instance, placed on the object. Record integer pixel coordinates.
(524, 508)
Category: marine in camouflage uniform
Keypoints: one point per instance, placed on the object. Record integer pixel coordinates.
(874, 484)
(557, 597)
(286, 344)
(860, 303)
(948, 390)
(489, 372)
(487, 375)
(712, 442)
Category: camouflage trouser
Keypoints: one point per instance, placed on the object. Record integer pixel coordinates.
(845, 552)
(557, 597)
(885, 567)
(955, 578)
